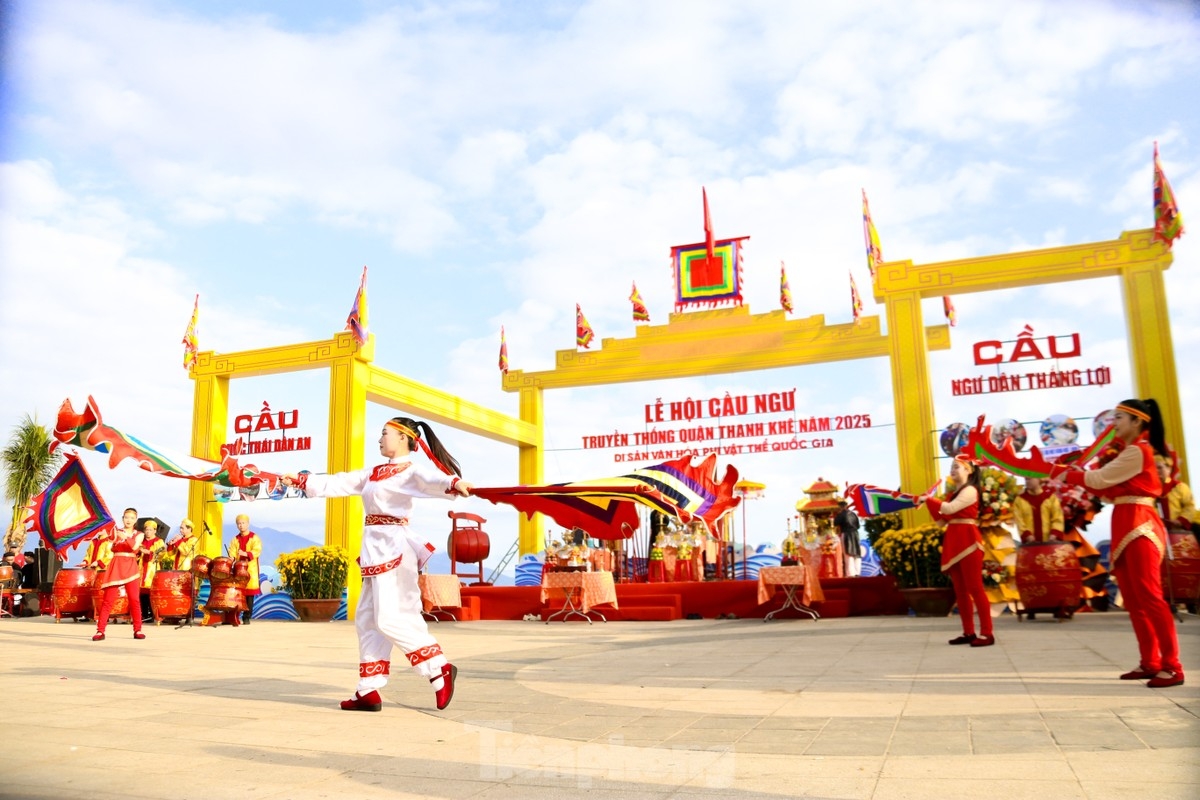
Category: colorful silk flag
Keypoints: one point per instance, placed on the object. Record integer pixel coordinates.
(870, 501)
(856, 305)
(606, 509)
(1035, 465)
(708, 282)
(356, 323)
(640, 312)
(874, 252)
(88, 431)
(503, 353)
(1168, 223)
(190, 345)
(785, 292)
(948, 309)
(69, 511)
(583, 331)
(708, 226)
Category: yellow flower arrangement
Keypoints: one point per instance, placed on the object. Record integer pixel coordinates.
(913, 556)
(999, 489)
(314, 573)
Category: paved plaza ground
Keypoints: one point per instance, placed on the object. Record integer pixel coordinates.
(868, 707)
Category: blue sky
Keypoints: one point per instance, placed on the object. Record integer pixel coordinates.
(495, 163)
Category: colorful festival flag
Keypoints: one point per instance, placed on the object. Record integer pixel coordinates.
(356, 323)
(70, 510)
(708, 226)
(870, 501)
(583, 331)
(640, 312)
(948, 309)
(190, 345)
(855, 301)
(1168, 223)
(503, 353)
(874, 253)
(785, 292)
(606, 509)
(88, 430)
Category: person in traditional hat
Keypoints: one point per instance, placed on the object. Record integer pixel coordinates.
(152, 547)
(389, 608)
(122, 570)
(962, 551)
(1038, 514)
(183, 547)
(1128, 477)
(847, 525)
(247, 546)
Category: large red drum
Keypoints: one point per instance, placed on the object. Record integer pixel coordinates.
(120, 605)
(1049, 578)
(469, 546)
(72, 594)
(1181, 574)
(225, 597)
(171, 594)
(221, 569)
(200, 565)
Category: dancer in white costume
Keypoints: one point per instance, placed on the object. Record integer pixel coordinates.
(389, 608)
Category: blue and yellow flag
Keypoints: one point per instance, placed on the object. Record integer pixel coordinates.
(874, 252)
(1168, 223)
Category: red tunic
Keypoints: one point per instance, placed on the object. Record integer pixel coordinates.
(962, 531)
(1130, 482)
(124, 566)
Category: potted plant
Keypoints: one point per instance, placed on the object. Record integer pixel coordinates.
(913, 557)
(315, 577)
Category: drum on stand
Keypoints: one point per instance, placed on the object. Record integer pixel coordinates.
(120, 605)
(1049, 579)
(220, 569)
(171, 595)
(241, 574)
(72, 593)
(1181, 573)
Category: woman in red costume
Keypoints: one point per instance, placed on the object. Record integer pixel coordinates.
(1139, 541)
(123, 570)
(962, 551)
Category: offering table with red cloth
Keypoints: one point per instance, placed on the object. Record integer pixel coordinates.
(439, 593)
(792, 579)
(579, 591)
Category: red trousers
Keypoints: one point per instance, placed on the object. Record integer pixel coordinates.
(110, 598)
(969, 594)
(1138, 573)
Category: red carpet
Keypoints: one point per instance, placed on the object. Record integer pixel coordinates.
(844, 597)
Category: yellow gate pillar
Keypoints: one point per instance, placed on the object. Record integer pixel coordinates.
(912, 396)
(348, 378)
(1151, 351)
(530, 470)
(210, 420)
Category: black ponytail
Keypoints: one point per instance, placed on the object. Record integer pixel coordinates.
(1156, 433)
(439, 452)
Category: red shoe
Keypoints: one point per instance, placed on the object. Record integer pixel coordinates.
(99, 637)
(370, 701)
(984, 641)
(1139, 674)
(966, 638)
(139, 635)
(446, 693)
(1172, 679)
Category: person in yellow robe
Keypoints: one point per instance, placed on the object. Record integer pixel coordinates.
(246, 546)
(152, 547)
(1177, 506)
(184, 546)
(1038, 513)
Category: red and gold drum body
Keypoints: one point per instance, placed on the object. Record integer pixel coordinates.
(171, 594)
(72, 594)
(120, 605)
(225, 597)
(221, 569)
(241, 573)
(1049, 578)
(200, 566)
(1181, 574)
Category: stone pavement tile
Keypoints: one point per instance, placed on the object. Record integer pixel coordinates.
(1034, 767)
(796, 723)
(1139, 790)
(979, 787)
(724, 722)
(930, 743)
(772, 735)
(1015, 742)
(848, 744)
(932, 723)
(1168, 739)
(1094, 734)
(1160, 719)
(1168, 766)
(1008, 722)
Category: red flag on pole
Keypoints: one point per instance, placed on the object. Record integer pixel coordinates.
(708, 227)
(785, 292)
(1168, 224)
(191, 345)
(948, 308)
(640, 312)
(503, 353)
(855, 301)
(583, 331)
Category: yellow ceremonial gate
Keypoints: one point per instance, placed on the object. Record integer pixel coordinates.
(733, 340)
(703, 343)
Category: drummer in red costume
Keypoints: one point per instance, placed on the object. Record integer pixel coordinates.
(123, 570)
(246, 546)
(1139, 540)
(389, 608)
(962, 551)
